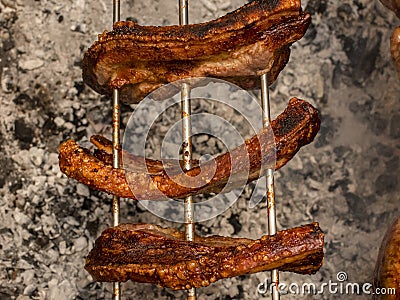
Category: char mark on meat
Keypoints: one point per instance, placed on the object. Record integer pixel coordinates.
(292, 129)
(148, 253)
(239, 47)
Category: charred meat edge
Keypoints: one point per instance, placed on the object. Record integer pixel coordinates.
(239, 46)
(148, 253)
(295, 127)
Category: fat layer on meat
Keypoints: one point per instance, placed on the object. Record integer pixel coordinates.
(238, 47)
(295, 127)
(149, 253)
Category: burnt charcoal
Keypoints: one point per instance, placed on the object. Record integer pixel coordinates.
(92, 227)
(341, 150)
(361, 107)
(395, 126)
(42, 241)
(385, 150)
(337, 77)
(341, 183)
(24, 133)
(379, 124)
(50, 127)
(234, 221)
(25, 101)
(392, 165)
(326, 132)
(362, 53)
(344, 12)
(6, 167)
(386, 183)
(310, 35)
(80, 86)
(316, 6)
(356, 204)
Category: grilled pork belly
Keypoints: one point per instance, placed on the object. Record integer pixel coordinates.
(295, 127)
(237, 47)
(149, 253)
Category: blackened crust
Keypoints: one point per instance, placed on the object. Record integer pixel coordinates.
(294, 128)
(148, 253)
(139, 59)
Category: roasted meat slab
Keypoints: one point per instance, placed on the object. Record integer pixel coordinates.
(387, 269)
(148, 253)
(295, 127)
(238, 47)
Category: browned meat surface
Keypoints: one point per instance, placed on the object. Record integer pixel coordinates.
(394, 5)
(387, 269)
(104, 153)
(395, 48)
(148, 253)
(238, 47)
(294, 128)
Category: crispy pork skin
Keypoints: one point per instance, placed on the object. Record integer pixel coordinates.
(295, 127)
(148, 253)
(387, 269)
(238, 47)
(104, 153)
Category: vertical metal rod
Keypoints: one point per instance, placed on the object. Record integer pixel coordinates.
(187, 142)
(116, 115)
(187, 156)
(116, 125)
(116, 11)
(265, 102)
(183, 12)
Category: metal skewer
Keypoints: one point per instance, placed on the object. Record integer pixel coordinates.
(265, 102)
(187, 143)
(116, 122)
(187, 156)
